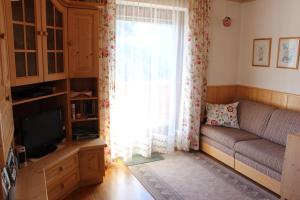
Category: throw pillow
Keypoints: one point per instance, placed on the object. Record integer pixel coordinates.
(222, 115)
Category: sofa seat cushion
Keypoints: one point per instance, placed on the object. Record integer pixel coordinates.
(282, 123)
(259, 167)
(226, 136)
(217, 145)
(253, 117)
(262, 151)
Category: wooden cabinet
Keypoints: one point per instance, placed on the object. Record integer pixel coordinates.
(83, 43)
(66, 185)
(58, 174)
(37, 36)
(55, 173)
(91, 166)
(62, 178)
(290, 180)
(6, 115)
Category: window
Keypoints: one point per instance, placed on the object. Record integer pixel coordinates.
(149, 60)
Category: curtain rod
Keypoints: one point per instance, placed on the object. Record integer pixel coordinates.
(150, 5)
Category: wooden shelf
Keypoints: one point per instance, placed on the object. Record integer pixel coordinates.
(22, 101)
(83, 98)
(84, 120)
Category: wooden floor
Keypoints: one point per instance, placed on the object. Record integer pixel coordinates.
(118, 184)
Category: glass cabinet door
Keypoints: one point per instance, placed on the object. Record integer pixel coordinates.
(54, 25)
(26, 32)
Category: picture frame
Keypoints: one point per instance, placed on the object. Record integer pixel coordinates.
(261, 55)
(288, 52)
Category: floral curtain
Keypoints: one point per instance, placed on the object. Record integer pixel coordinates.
(107, 69)
(194, 81)
(194, 74)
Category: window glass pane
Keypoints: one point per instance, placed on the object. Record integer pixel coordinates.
(58, 19)
(140, 44)
(50, 39)
(17, 11)
(20, 64)
(31, 64)
(18, 36)
(60, 62)
(29, 11)
(51, 63)
(30, 37)
(59, 40)
(49, 13)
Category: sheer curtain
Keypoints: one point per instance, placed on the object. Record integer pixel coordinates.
(150, 54)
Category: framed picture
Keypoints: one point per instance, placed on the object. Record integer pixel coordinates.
(261, 52)
(288, 53)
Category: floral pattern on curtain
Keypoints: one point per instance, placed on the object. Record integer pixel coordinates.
(194, 76)
(107, 68)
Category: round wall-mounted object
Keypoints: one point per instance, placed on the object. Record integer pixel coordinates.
(227, 21)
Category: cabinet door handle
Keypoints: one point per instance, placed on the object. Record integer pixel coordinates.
(2, 35)
(7, 98)
(45, 33)
(39, 32)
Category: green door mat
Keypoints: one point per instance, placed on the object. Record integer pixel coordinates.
(137, 159)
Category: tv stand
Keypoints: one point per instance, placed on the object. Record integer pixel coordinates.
(58, 174)
(44, 151)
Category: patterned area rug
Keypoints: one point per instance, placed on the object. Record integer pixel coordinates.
(195, 176)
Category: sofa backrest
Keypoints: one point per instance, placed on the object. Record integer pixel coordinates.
(253, 117)
(282, 123)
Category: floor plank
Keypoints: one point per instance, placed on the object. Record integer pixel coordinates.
(118, 184)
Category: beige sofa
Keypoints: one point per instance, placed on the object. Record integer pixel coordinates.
(257, 148)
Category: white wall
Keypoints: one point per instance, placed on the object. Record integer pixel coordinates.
(268, 18)
(223, 56)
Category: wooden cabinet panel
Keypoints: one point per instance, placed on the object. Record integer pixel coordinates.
(3, 55)
(291, 170)
(54, 26)
(6, 114)
(66, 185)
(91, 166)
(83, 42)
(55, 173)
(6, 129)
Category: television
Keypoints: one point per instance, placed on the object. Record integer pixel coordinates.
(41, 132)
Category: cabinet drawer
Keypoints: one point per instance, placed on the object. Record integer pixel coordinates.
(66, 185)
(60, 169)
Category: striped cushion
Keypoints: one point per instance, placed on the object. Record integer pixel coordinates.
(217, 145)
(226, 136)
(259, 167)
(262, 151)
(253, 117)
(282, 122)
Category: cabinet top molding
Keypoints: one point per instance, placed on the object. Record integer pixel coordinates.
(83, 4)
